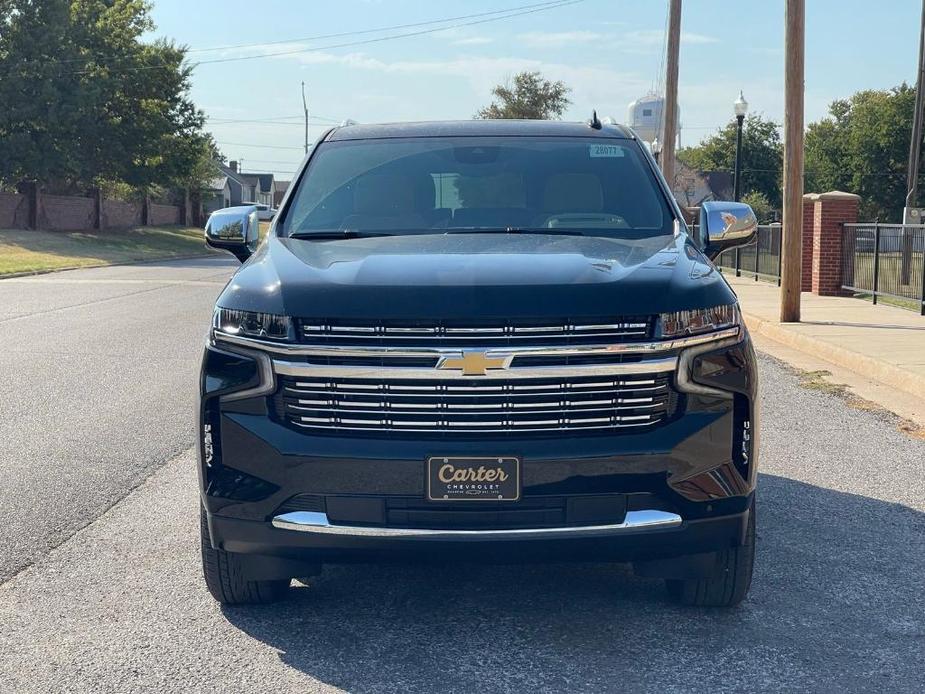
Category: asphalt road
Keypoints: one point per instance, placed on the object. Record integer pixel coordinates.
(838, 601)
(97, 385)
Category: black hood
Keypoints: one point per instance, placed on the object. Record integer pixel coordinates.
(460, 276)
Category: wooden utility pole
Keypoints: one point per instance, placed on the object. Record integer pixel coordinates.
(305, 109)
(670, 112)
(792, 245)
(915, 143)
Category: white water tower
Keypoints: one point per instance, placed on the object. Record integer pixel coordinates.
(645, 117)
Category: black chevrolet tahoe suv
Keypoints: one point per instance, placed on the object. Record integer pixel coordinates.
(479, 341)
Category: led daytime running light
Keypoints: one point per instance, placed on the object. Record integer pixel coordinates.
(698, 321)
(252, 324)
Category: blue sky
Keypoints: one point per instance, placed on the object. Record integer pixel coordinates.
(608, 51)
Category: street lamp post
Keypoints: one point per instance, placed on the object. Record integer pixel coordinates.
(741, 108)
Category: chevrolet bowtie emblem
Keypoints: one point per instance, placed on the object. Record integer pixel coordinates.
(475, 363)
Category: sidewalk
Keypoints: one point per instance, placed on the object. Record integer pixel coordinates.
(883, 343)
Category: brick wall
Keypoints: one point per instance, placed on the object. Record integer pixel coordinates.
(163, 214)
(32, 208)
(14, 211)
(117, 213)
(67, 213)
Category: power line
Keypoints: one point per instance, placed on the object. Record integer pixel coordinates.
(269, 122)
(392, 37)
(319, 37)
(273, 161)
(548, 6)
(254, 144)
(278, 119)
(377, 30)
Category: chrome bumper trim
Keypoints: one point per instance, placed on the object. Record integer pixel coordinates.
(314, 522)
(489, 352)
(295, 368)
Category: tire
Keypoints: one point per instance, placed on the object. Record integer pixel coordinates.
(224, 575)
(729, 586)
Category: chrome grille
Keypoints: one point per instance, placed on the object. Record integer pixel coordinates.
(486, 405)
(500, 334)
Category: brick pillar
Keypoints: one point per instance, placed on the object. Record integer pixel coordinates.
(186, 209)
(98, 215)
(809, 207)
(196, 209)
(831, 211)
(34, 200)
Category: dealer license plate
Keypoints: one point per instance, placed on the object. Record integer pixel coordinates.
(473, 479)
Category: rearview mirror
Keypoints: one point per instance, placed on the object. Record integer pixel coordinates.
(725, 225)
(234, 229)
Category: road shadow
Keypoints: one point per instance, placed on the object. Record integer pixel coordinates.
(838, 604)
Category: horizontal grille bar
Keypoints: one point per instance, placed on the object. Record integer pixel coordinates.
(431, 353)
(488, 405)
(506, 334)
(375, 375)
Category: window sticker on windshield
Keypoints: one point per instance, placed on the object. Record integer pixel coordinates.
(605, 151)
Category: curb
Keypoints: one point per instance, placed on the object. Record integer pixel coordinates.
(145, 261)
(862, 364)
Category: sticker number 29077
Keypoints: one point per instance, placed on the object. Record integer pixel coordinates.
(605, 151)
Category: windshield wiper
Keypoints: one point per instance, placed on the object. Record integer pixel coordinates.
(515, 230)
(328, 234)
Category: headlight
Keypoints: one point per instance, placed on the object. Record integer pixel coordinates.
(252, 324)
(698, 321)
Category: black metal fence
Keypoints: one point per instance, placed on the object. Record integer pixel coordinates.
(760, 259)
(885, 260)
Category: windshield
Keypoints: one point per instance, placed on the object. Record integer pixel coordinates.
(441, 185)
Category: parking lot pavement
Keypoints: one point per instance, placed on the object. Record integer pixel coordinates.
(99, 370)
(838, 602)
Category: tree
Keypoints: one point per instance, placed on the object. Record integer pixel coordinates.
(529, 96)
(762, 156)
(760, 205)
(85, 101)
(863, 147)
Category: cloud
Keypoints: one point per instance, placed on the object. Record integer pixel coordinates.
(472, 41)
(655, 37)
(593, 86)
(546, 39)
(691, 37)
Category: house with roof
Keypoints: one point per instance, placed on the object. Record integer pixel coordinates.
(217, 194)
(279, 190)
(229, 188)
(262, 188)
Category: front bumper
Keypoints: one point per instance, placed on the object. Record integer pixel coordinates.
(685, 485)
(644, 536)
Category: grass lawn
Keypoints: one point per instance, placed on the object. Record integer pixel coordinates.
(33, 251)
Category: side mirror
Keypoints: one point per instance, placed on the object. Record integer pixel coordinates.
(725, 225)
(234, 229)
